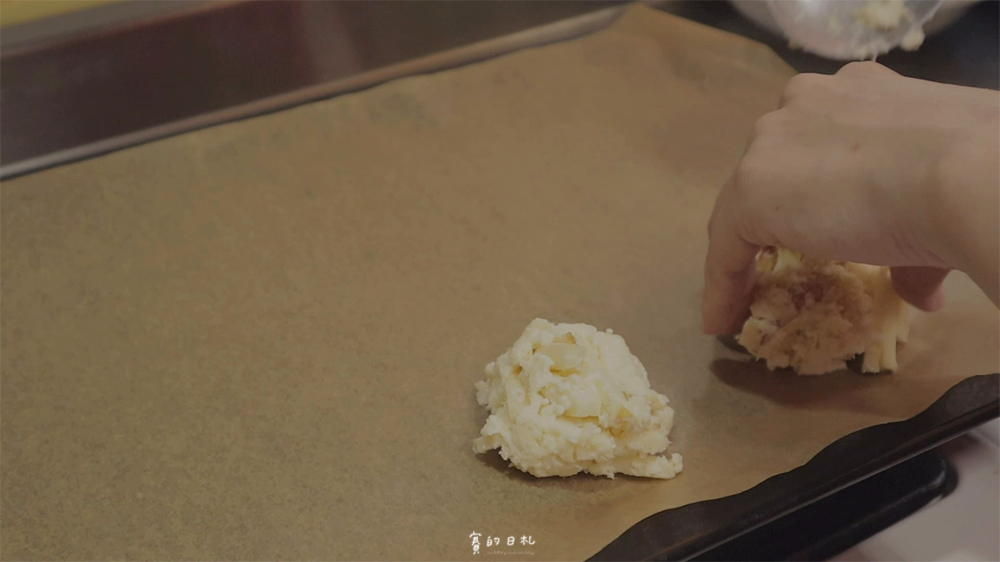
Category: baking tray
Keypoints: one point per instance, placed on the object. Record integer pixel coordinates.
(673, 535)
(834, 524)
(686, 532)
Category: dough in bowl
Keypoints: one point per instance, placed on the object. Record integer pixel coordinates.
(568, 398)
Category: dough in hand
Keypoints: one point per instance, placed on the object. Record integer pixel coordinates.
(814, 315)
(567, 398)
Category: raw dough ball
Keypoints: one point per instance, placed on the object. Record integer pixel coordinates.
(568, 398)
(814, 315)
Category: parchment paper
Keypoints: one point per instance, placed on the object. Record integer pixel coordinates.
(259, 341)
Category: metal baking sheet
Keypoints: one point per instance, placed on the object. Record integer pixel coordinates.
(685, 532)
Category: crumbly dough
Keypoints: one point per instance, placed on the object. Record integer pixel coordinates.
(814, 315)
(884, 14)
(913, 39)
(568, 398)
(887, 15)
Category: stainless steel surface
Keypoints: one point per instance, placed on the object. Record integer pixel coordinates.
(104, 90)
(836, 29)
(92, 20)
(104, 87)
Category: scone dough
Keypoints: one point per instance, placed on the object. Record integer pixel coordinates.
(814, 315)
(568, 398)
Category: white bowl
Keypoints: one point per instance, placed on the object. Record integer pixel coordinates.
(950, 10)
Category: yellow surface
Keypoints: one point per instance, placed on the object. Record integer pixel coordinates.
(20, 11)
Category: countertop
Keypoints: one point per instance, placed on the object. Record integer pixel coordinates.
(81, 84)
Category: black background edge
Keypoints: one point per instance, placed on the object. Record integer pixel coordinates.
(687, 531)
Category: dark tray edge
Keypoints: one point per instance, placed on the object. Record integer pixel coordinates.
(832, 525)
(687, 531)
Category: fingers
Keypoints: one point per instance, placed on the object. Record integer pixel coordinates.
(864, 68)
(729, 272)
(810, 89)
(920, 286)
(803, 85)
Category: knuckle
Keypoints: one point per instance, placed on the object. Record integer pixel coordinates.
(860, 68)
(746, 176)
(769, 124)
(801, 86)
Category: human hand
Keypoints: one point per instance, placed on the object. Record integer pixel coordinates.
(850, 167)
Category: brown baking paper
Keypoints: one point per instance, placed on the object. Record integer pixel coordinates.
(259, 341)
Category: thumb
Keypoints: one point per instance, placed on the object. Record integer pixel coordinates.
(729, 270)
(920, 286)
